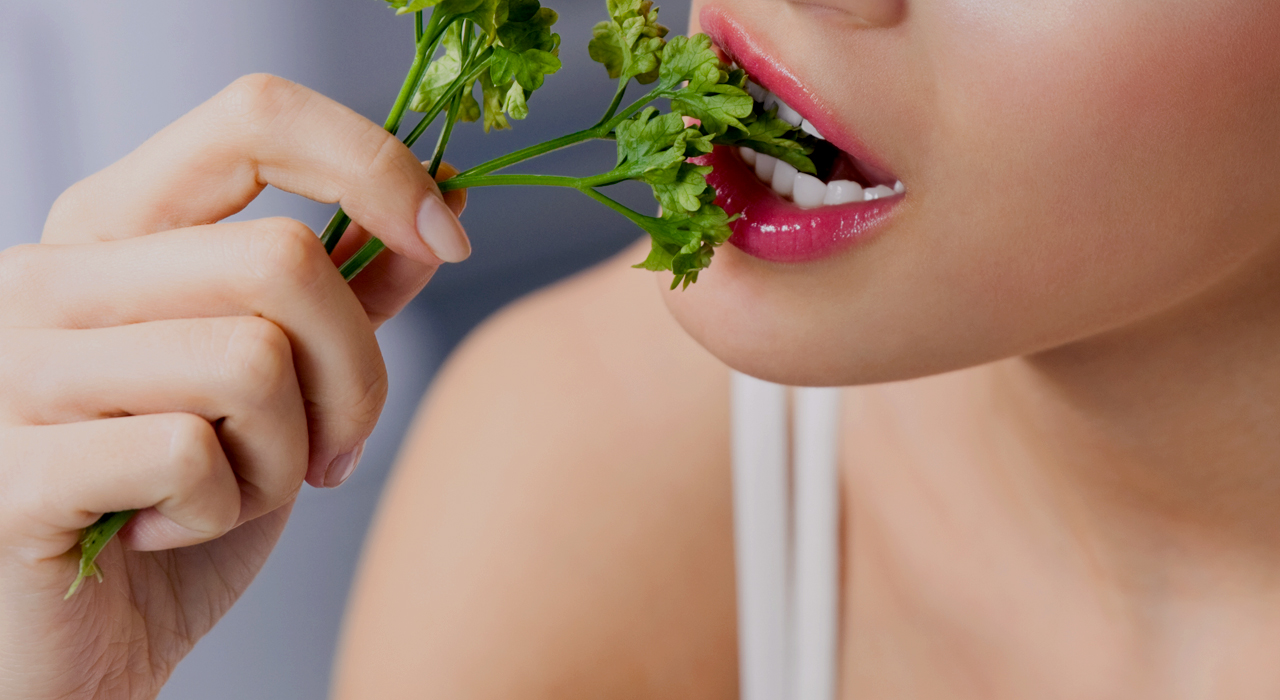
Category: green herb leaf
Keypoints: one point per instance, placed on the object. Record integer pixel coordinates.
(654, 148)
(630, 43)
(404, 7)
(516, 103)
(712, 95)
(529, 68)
(486, 14)
(684, 242)
(765, 133)
(527, 25)
(440, 75)
(525, 53)
(494, 109)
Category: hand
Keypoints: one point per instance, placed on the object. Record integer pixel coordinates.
(153, 359)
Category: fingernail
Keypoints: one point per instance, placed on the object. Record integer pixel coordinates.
(342, 466)
(441, 231)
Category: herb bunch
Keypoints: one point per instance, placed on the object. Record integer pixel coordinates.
(482, 60)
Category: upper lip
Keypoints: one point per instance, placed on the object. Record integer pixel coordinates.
(770, 73)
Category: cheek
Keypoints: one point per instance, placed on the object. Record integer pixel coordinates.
(1100, 153)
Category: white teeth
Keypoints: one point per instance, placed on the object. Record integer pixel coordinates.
(809, 191)
(764, 167)
(770, 101)
(785, 112)
(878, 192)
(842, 192)
(788, 115)
(784, 179)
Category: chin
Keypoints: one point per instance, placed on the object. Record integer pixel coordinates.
(791, 325)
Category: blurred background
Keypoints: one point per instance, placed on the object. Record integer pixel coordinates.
(83, 82)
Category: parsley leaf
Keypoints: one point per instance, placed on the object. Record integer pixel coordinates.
(404, 7)
(709, 95)
(440, 75)
(684, 242)
(630, 43)
(654, 149)
(765, 133)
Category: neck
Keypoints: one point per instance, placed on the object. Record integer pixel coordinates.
(1167, 431)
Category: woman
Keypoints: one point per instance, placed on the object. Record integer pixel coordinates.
(1058, 457)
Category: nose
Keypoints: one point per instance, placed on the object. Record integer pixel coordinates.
(873, 13)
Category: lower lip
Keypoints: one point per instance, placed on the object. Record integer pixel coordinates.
(775, 229)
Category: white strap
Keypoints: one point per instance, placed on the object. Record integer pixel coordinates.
(761, 516)
(815, 606)
(788, 577)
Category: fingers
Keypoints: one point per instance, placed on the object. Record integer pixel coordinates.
(260, 131)
(273, 268)
(70, 474)
(391, 281)
(236, 373)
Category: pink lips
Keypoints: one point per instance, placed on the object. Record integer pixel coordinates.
(771, 227)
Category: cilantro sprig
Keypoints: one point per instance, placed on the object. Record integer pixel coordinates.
(482, 61)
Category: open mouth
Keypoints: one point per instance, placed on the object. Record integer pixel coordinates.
(786, 215)
(789, 216)
(841, 178)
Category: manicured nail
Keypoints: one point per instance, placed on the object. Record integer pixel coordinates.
(441, 231)
(342, 466)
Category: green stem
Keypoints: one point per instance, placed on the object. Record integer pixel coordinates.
(456, 89)
(600, 131)
(445, 133)
(617, 102)
(644, 222)
(532, 151)
(333, 232)
(416, 69)
(469, 181)
(427, 41)
(92, 541)
(370, 250)
(358, 262)
(443, 101)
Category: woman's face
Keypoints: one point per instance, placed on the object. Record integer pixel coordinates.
(1070, 167)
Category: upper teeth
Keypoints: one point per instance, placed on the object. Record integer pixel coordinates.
(805, 190)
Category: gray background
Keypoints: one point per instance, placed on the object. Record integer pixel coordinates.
(83, 82)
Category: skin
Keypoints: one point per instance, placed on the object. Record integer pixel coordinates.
(1059, 469)
(152, 359)
(1080, 505)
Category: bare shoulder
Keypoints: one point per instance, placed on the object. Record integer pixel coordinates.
(559, 525)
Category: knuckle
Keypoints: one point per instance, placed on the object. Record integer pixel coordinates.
(193, 450)
(370, 398)
(285, 251)
(259, 97)
(64, 210)
(259, 356)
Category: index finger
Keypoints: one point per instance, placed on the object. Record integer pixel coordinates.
(259, 131)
